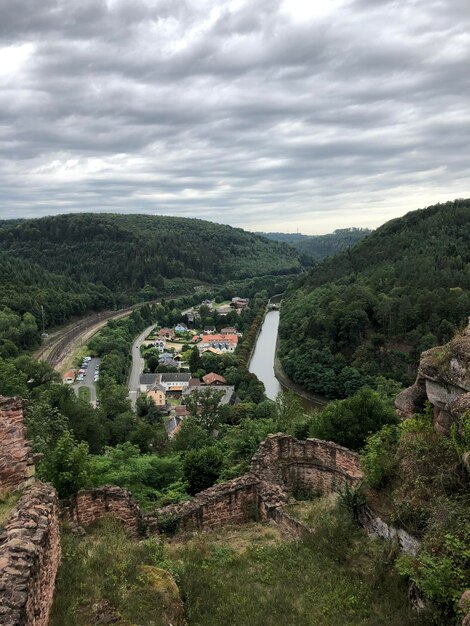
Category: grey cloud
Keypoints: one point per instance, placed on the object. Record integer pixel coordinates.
(242, 115)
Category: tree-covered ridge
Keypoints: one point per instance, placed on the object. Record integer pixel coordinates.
(318, 247)
(125, 253)
(371, 310)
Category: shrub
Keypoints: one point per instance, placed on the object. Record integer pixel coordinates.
(378, 457)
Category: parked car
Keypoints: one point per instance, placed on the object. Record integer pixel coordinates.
(80, 378)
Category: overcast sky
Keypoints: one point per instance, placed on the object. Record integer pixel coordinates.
(269, 115)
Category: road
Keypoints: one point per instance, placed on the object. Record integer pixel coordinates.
(137, 366)
(88, 380)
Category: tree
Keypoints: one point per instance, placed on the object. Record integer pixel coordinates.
(195, 361)
(67, 466)
(202, 468)
(203, 406)
(349, 422)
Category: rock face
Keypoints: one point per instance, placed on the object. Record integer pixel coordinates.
(29, 558)
(443, 380)
(16, 459)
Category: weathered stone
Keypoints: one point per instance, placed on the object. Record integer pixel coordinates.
(444, 381)
(464, 604)
(411, 400)
(29, 558)
(16, 459)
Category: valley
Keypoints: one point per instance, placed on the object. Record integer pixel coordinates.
(178, 502)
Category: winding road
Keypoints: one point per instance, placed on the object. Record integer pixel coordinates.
(137, 366)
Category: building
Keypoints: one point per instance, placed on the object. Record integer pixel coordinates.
(230, 330)
(239, 303)
(174, 382)
(181, 328)
(213, 379)
(69, 377)
(158, 394)
(209, 330)
(147, 381)
(223, 343)
(166, 333)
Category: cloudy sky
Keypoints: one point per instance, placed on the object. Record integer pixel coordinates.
(264, 114)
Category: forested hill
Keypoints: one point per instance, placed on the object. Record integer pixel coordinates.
(127, 252)
(368, 312)
(318, 247)
(71, 264)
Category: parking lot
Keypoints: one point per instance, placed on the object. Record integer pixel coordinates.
(87, 377)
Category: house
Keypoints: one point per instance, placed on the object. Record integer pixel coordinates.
(174, 382)
(158, 394)
(181, 411)
(196, 338)
(166, 333)
(194, 382)
(224, 343)
(181, 328)
(68, 377)
(160, 345)
(147, 381)
(239, 303)
(228, 391)
(209, 330)
(173, 425)
(211, 350)
(230, 330)
(213, 379)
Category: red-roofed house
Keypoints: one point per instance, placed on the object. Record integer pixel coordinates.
(222, 342)
(214, 379)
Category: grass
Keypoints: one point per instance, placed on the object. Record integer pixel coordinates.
(108, 574)
(249, 575)
(336, 577)
(6, 505)
(84, 393)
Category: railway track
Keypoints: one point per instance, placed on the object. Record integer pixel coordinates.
(55, 350)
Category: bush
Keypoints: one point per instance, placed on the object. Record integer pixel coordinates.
(378, 457)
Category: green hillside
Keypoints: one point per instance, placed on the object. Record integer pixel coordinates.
(369, 311)
(71, 264)
(318, 247)
(127, 252)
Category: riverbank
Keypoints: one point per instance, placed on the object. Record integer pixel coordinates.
(316, 402)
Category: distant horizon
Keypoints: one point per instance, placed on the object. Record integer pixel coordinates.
(267, 229)
(262, 114)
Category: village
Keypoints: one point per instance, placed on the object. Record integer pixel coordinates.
(169, 358)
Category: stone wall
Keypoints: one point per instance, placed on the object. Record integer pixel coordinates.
(108, 501)
(29, 558)
(314, 465)
(234, 502)
(16, 459)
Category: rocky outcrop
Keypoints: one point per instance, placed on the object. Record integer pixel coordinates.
(16, 458)
(444, 381)
(464, 605)
(376, 527)
(29, 558)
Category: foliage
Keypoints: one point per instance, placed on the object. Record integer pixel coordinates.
(317, 247)
(105, 569)
(201, 468)
(369, 311)
(203, 406)
(378, 458)
(349, 422)
(67, 466)
(150, 478)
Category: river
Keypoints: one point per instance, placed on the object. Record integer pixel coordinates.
(262, 364)
(262, 361)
